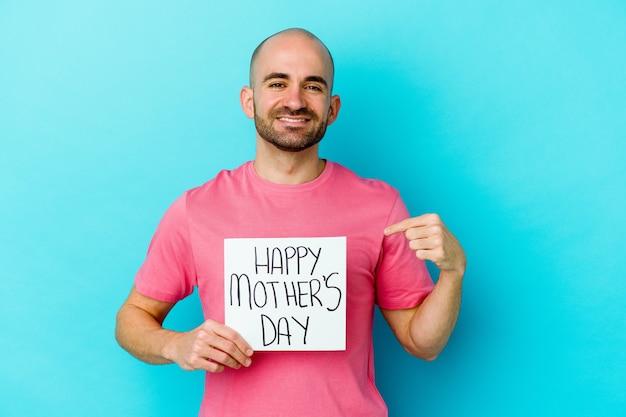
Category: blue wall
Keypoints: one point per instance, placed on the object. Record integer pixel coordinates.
(507, 118)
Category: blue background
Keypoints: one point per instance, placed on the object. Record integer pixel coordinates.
(507, 118)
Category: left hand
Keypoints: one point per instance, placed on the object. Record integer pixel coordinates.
(431, 241)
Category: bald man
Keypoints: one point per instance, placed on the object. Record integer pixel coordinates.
(288, 191)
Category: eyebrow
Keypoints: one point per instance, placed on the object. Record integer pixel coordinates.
(283, 76)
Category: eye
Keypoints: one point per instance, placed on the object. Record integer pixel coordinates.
(314, 87)
(276, 85)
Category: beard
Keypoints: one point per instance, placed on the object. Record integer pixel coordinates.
(294, 139)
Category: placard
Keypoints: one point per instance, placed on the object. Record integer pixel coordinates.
(287, 293)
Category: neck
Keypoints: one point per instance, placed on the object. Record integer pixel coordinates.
(291, 168)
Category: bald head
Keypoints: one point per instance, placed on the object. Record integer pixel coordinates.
(270, 44)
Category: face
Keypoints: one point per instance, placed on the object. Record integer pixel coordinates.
(290, 96)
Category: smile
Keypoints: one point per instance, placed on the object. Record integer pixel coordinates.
(292, 120)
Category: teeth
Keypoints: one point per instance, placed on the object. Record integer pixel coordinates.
(287, 119)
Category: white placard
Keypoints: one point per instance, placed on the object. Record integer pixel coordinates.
(287, 293)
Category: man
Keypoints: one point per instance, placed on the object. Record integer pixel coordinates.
(288, 191)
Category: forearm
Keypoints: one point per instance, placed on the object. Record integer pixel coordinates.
(424, 330)
(433, 322)
(142, 335)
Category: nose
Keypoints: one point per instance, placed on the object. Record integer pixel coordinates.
(294, 98)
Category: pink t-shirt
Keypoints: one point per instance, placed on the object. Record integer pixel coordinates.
(187, 251)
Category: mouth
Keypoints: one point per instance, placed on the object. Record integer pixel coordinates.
(292, 120)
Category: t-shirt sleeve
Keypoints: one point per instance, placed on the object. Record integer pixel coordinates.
(402, 280)
(168, 272)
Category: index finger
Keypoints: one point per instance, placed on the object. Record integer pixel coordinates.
(231, 342)
(406, 224)
(243, 348)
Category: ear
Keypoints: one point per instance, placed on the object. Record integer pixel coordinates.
(333, 111)
(247, 101)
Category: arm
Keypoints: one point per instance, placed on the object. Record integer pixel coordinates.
(209, 347)
(424, 330)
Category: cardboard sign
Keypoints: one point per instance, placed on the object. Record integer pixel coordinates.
(287, 293)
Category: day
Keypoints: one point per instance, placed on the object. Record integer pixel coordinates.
(279, 331)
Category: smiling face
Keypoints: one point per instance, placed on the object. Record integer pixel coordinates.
(290, 95)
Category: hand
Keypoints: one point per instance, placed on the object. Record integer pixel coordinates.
(210, 347)
(432, 241)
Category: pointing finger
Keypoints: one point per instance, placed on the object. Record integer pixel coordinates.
(407, 224)
(397, 228)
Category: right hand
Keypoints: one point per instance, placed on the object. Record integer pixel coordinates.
(209, 347)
